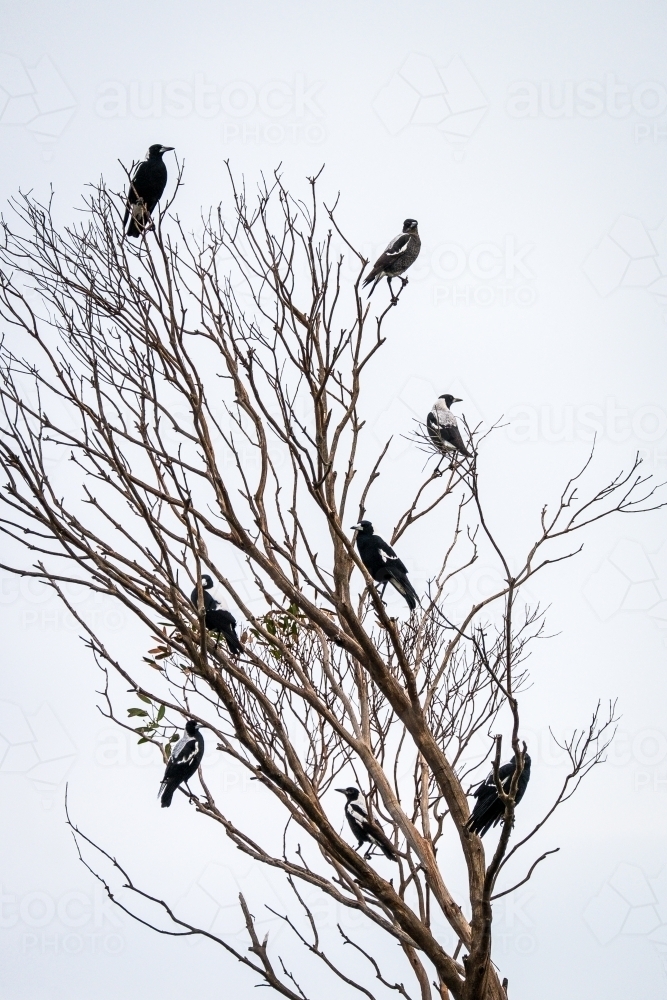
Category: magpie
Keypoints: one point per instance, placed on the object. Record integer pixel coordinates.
(366, 830)
(442, 427)
(383, 564)
(489, 810)
(184, 761)
(148, 183)
(401, 252)
(216, 618)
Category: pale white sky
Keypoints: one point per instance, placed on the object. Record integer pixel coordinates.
(530, 141)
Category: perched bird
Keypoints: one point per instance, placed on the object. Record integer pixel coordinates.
(383, 564)
(397, 258)
(442, 427)
(489, 810)
(216, 618)
(366, 830)
(184, 761)
(148, 183)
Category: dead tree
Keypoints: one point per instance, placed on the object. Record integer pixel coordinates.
(208, 391)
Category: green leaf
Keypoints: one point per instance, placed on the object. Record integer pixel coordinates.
(174, 738)
(167, 751)
(142, 740)
(136, 711)
(142, 697)
(160, 713)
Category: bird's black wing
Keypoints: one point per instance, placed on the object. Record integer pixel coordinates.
(358, 820)
(376, 833)
(524, 778)
(433, 428)
(451, 435)
(183, 754)
(489, 785)
(131, 196)
(395, 248)
(489, 810)
(445, 434)
(184, 761)
(398, 574)
(220, 620)
(388, 555)
(398, 245)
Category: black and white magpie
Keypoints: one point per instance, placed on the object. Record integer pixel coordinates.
(148, 182)
(184, 761)
(366, 830)
(489, 810)
(443, 428)
(383, 564)
(401, 252)
(217, 619)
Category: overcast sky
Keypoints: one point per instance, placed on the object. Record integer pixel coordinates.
(530, 141)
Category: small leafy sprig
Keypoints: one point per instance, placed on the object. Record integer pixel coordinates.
(283, 624)
(153, 727)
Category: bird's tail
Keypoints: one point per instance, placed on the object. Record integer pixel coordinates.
(405, 588)
(235, 646)
(166, 794)
(384, 843)
(373, 279)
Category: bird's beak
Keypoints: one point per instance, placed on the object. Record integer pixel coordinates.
(355, 527)
(167, 149)
(457, 401)
(342, 790)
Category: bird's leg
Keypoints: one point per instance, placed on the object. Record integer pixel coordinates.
(394, 300)
(381, 592)
(404, 282)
